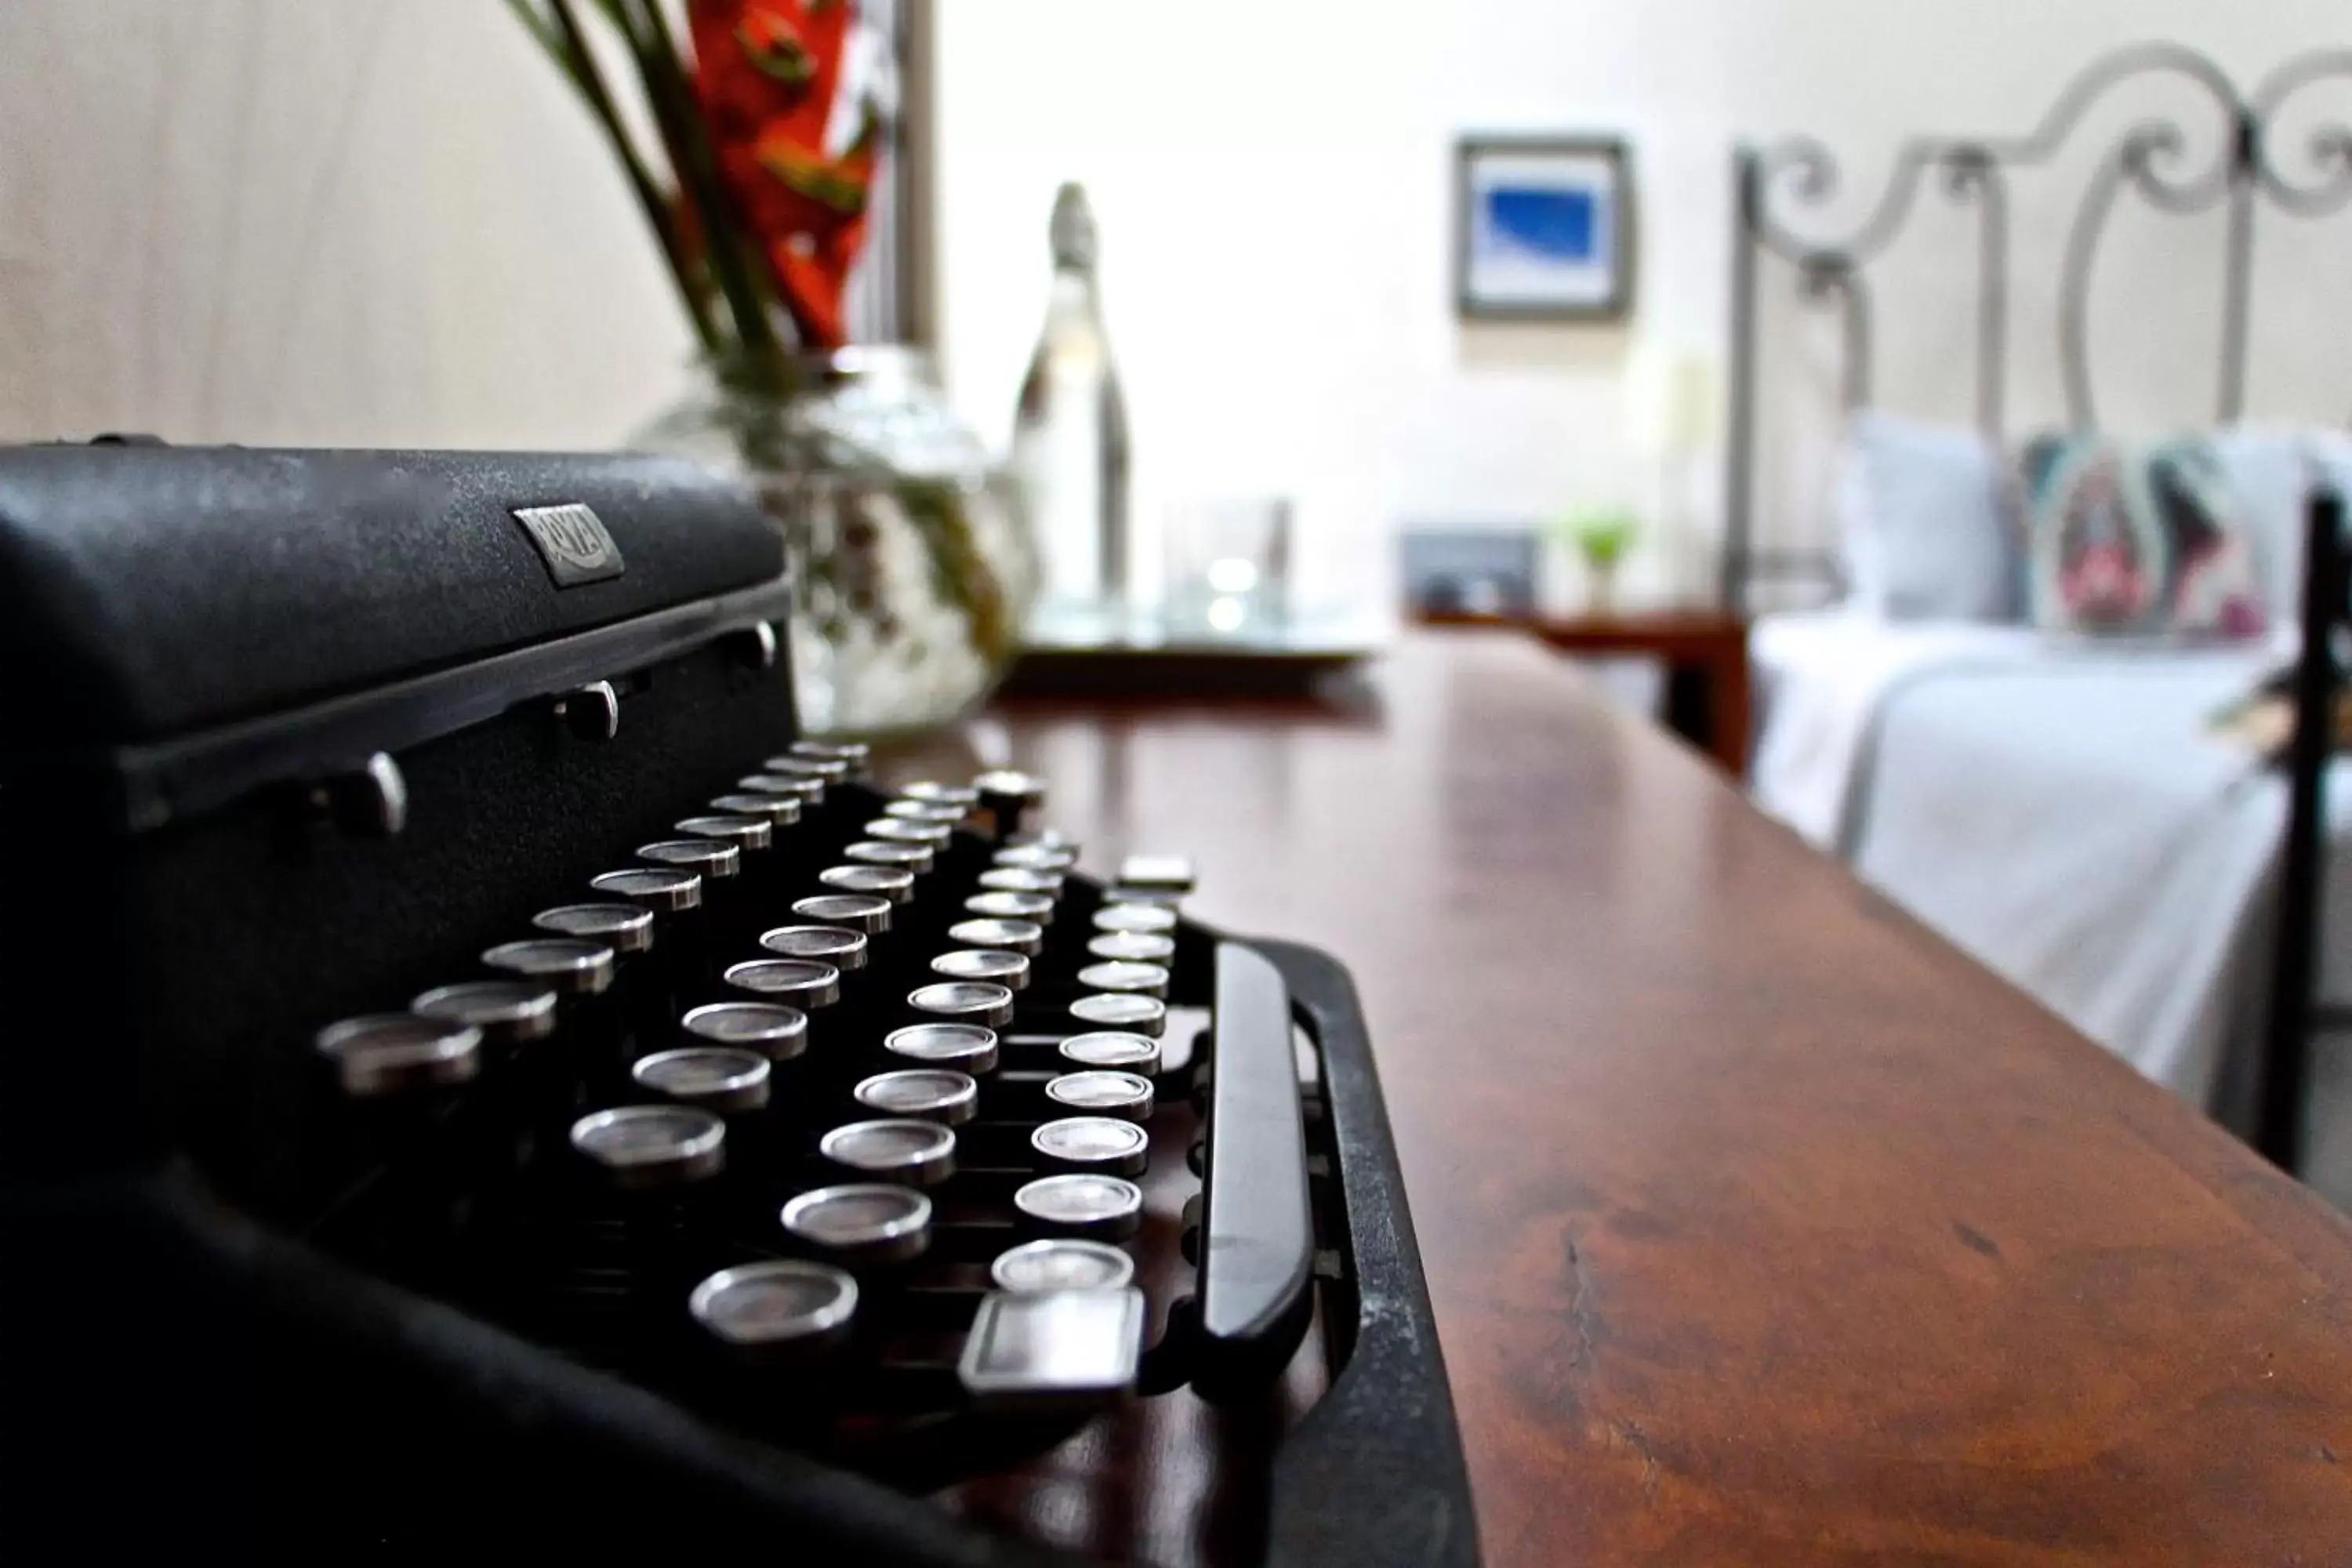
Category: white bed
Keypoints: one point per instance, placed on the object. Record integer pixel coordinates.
(2060, 810)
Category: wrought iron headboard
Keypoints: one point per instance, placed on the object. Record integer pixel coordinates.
(2244, 175)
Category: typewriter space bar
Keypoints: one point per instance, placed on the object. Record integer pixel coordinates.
(1257, 1238)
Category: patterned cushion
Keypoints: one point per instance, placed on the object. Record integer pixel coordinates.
(2138, 541)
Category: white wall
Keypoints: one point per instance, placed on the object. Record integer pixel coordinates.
(385, 221)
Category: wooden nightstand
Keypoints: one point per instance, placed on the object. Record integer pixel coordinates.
(1705, 653)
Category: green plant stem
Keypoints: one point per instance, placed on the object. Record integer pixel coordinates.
(567, 44)
(684, 135)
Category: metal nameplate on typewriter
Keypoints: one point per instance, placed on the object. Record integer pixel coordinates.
(569, 1100)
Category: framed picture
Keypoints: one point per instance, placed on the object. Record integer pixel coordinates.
(1543, 228)
(1469, 572)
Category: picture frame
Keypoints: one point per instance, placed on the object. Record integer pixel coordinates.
(1543, 228)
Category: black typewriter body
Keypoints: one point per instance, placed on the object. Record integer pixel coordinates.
(483, 1076)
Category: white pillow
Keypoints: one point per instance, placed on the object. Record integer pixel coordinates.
(2271, 470)
(1923, 522)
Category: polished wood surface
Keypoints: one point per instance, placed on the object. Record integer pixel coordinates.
(1762, 1227)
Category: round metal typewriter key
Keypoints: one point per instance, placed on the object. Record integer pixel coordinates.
(1133, 947)
(1081, 1204)
(932, 835)
(716, 1077)
(649, 1146)
(944, 813)
(995, 964)
(1113, 1049)
(895, 883)
(1099, 1144)
(1046, 838)
(1002, 906)
(967, 1047)
(864, 912)
(508, 1012)
(861, 1222)
(623, 928)
(919, 1153)
(933, 1094)
(832, 770)
(1010, 797)
(1035, 858)
(1099, 1091)
(777, 1032)
(857, 753)
(748, 833)
(394, 1053)
(704, 857)
(1150, 897)
(780, 1308)
(1155, 873)
(572, 965)
(964, 1001)
(803, 983)
(844, 949)
(775, 810)
(1023, 937)
(883, 852)
(808, 792)
(661, 888)
(1151, 919)
(1019, 879)
(1061, 1263)
(1126, 974)
(1122, 1010)
(937, 794)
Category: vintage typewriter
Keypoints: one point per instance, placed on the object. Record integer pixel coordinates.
(482, 1075)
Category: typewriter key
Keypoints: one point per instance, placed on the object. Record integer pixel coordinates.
(864, 912)
(808, 792)
(964, 1001)
(506, 1012)
(1020, 879)
(995, 964)
(944, 813)
(892, 882)
(1101, 1091)
(933, 1094)
(936, 793)
(919, 1153)
(1122, 1010)
(1052, 1349)
(1150, 919)
(832, 770)
(748, 833)
(1133, 947)
(716, 1077)
(1080, 1203)
(662, 889)
(394, 1053)
(623, 928)
(776, 810)
(884, 852)
(1035, 858)
(1010, 797)
(777, 1032)
(644, 1147)
(571, 965)
(1023, 937)
(803, 983)
(1043, 838)
(861, 1222)
(1002, 906)
(934, 835)
(1125, 974)
(1102, 1145)
(844, 949)
(968, 1047)
(1113, 1049)
(855, 753)
(706, 858)
(783, 1307)
(1061, 1264)
(1158, 873)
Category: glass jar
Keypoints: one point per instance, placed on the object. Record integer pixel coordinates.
(913, 566)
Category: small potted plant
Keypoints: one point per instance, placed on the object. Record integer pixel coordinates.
(1604, 536)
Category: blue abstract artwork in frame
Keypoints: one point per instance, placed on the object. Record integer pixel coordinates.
(1542, 228)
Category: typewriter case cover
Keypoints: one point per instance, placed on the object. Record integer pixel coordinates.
(289, 730)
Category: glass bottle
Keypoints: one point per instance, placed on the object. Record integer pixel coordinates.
(1069, 438)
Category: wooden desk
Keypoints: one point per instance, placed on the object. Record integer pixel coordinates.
(1762, 1227)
